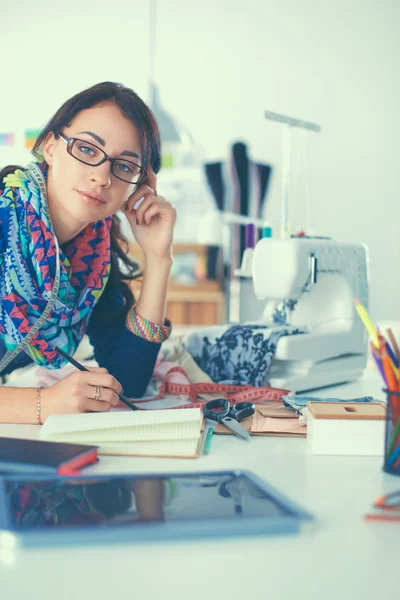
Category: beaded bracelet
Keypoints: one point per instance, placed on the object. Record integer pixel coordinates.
(38, 406)
(146, 329)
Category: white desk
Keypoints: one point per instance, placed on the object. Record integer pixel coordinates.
(344, 557)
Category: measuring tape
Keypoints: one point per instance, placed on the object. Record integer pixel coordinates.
(232, 393)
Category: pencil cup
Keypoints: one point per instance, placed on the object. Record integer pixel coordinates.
(392, 433)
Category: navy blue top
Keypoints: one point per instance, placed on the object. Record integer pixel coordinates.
(129, 358)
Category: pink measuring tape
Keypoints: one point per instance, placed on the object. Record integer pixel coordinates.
(233, 393)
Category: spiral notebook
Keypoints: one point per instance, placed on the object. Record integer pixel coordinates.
(162, 433)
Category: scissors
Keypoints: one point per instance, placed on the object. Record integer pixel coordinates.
(221, 411)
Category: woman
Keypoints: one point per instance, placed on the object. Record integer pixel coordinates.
(63, 259)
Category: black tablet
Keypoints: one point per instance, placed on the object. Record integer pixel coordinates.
(45, 510)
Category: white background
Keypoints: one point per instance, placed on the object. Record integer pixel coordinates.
(219, 65)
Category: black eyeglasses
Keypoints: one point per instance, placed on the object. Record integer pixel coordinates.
(89, 154)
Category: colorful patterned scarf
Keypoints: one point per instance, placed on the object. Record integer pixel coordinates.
(28, 256)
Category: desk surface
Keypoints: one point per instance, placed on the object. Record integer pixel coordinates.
(344, 557)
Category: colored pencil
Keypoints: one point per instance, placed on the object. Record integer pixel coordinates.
(393, 357)
(364, 316)
(387, 361)
(383, 517)
(394, 344)
(383, 345)
(387, 365)
(376, 355)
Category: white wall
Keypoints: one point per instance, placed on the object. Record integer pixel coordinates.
(220, 64)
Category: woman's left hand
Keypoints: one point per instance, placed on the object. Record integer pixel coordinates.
(153, 221)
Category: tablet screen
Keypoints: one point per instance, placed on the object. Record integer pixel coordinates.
(135, 500)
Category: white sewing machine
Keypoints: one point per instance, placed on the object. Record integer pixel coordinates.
(311, 283)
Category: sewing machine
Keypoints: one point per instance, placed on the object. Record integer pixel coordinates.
(311, 283)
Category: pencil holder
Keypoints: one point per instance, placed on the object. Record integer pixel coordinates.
(392, 433)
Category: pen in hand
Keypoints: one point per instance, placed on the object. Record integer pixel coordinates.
(78, 365)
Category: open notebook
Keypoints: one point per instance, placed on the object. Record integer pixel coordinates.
(172, 433)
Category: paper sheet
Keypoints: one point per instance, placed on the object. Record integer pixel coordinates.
(263, 424)
(124, 426)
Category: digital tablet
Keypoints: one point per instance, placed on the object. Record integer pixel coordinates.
(48, 510)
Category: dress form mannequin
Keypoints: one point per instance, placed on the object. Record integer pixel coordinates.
(238, 185)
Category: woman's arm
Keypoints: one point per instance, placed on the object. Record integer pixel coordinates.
(127, 349)
(153, 295)
(152, 220)
(126, 356)
(72, 394)
(17, 405)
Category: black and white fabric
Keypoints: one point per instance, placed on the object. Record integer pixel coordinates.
(237, 354)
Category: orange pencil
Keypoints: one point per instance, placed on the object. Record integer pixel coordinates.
(383, 344)
(390, 377)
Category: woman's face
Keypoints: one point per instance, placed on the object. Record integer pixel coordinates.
(82, 193)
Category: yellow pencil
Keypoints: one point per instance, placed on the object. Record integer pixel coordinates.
(367, 322)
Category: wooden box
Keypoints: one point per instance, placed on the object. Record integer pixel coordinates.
(353, 428)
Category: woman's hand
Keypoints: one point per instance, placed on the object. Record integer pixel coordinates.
(153, 221)
(75, 393)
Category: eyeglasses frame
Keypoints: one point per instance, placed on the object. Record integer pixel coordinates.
(70, 142)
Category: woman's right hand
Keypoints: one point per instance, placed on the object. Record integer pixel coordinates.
(75, 393)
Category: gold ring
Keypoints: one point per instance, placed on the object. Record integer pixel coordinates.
(97, 393)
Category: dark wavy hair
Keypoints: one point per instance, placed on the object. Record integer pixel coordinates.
(141, 116)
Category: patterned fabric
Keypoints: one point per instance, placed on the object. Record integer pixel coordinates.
(237, 354)
(146, 329)
(27, 269)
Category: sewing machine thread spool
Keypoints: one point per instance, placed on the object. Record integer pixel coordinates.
(247, 258)
(250, 236)
(266, 232)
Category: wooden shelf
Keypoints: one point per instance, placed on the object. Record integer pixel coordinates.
(201, 303)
